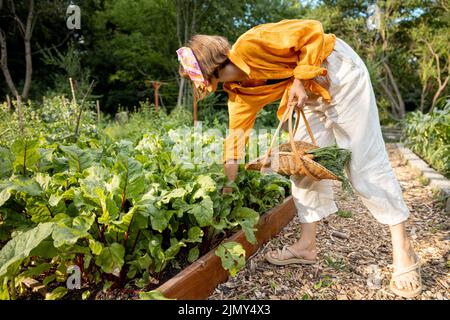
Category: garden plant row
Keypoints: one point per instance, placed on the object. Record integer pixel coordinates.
(117, 202)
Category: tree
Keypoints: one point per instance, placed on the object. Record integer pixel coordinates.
(431, 39)
(434, 66)
(129, 43)
(393, 13)
(26, 31)
(186, 13)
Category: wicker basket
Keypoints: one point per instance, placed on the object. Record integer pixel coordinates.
(291, 158)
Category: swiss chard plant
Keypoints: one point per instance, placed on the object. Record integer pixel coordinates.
(122, 211)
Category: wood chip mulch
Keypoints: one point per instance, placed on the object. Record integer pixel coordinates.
(359, 266)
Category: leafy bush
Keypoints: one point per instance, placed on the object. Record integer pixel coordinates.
(56, 117)
(145, 119)
(428, 135)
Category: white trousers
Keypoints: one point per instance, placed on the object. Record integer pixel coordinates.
(351, 120)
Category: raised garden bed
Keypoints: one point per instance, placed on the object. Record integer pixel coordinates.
(199, 279)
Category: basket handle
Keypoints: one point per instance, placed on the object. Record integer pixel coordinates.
(298, 157)
(269, 151)
(308, 128)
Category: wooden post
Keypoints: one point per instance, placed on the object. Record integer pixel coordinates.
(74, 99)
(8, 101)
(81, 109)
(156, 86)
(194, 100)
(97, 104)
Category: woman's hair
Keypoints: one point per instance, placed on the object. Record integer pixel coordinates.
(210, 51)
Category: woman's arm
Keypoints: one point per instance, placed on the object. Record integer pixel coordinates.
(242, 116)
(231, 170)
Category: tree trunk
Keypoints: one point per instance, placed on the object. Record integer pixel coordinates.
(441, 84)
(180, 92)
(27, 31)
(438, 93)
(28, 59)
(179, 9)
(400, 103)
(390, 87)
(423, 96)
(186, 24)
(161, 101)
(186, 27)
(193, 17)
(391, 98)
(4, 65)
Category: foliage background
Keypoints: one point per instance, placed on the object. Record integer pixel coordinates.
(129, 43)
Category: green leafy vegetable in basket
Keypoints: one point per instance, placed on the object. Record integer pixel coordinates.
(334, 159)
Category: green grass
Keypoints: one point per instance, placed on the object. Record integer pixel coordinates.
(439, 198)
(325, 282)
(424, 181)
(273, 285)
(335, 263)
(344, 214)
(306, 297)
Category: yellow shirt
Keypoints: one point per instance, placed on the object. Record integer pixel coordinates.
(286, 49)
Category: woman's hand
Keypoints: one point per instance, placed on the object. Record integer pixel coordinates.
(297, 94)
